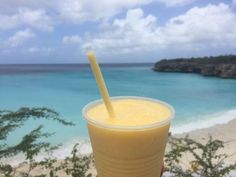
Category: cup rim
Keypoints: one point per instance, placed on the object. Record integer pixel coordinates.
(128, 128)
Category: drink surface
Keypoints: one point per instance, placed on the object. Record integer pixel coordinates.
(130, 112)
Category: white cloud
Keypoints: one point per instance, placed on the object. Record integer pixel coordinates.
(78, 11)
(19, 37)
(33, 49)
(212, 26)
(127, 34)
(34, 18)
(170, 3)
(39, 50)
(75, 39)
(8, 22)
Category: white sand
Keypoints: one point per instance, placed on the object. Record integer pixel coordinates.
(224, 132)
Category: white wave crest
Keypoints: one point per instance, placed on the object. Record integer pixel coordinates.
(65, 150)
(205, 122)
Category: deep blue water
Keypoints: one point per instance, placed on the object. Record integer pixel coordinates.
(67, 88)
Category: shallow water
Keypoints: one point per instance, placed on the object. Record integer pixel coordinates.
(199, 101)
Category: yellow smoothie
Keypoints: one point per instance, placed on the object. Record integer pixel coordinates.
(132, 144)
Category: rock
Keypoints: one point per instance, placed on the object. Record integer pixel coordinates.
(220, 66)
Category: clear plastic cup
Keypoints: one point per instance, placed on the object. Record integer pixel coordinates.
(128, 151)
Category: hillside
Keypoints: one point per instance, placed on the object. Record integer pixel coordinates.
(220, 66)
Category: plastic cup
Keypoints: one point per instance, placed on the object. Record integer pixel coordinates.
(128, 151)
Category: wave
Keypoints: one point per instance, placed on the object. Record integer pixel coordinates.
(205, 121)
(65, 150)
(84, 148)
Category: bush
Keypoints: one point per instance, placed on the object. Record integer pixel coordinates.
(205, 161)
(29, 145)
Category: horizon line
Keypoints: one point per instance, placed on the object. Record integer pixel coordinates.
(75, 63)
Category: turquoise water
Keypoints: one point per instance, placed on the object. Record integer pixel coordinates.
(199, 101)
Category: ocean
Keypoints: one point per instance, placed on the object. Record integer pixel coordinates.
(199, 101)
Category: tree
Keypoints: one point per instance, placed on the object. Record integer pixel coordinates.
(30, 145)
(206, 161)
(77, 165)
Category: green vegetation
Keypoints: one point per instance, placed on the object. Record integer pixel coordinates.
(208, 59)
(206, 161)
(31, 145)
(219, 66)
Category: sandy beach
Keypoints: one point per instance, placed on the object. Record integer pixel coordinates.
(224, 132)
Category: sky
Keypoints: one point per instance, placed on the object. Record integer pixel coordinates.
(61, 31)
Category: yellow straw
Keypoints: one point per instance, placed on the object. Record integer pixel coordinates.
(101, 84)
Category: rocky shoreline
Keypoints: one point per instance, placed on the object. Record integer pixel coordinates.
(220, 66)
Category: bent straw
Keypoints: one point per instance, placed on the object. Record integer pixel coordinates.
(101, 84)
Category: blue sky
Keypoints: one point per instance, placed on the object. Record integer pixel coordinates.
(61, 31)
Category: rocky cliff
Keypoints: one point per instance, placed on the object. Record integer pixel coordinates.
(221, 66)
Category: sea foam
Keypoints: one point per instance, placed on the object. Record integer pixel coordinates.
(205, 121)
(84, 148)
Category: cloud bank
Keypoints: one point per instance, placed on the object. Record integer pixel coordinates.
(212, 26)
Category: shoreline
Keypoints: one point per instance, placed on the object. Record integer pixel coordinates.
(225, 132)
(205, 122)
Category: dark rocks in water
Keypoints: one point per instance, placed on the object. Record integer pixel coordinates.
(220, 66)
